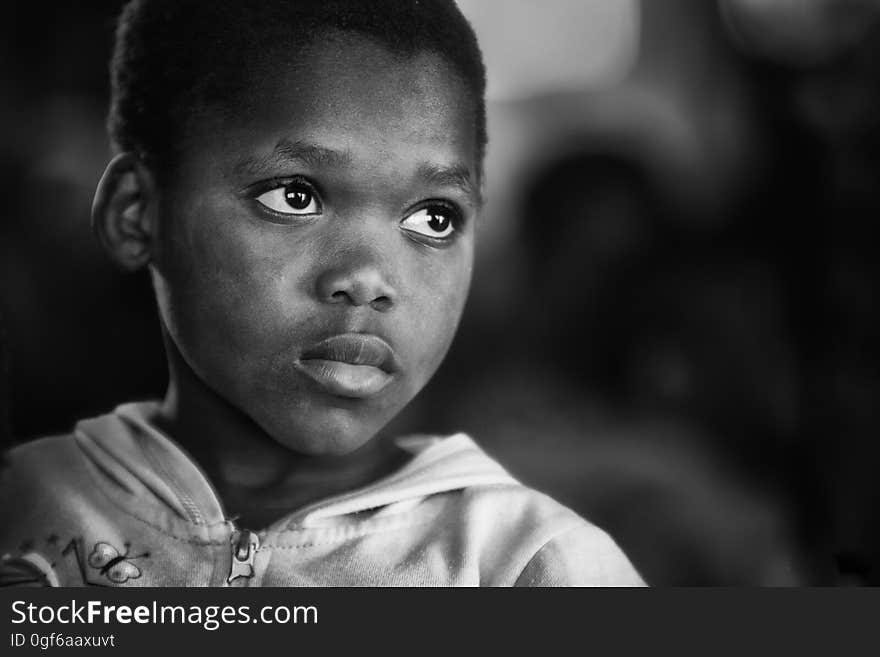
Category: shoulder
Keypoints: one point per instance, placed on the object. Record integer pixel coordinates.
(533, 540)
(102, 449)
(35, 464)
(516, 534)
(39, 480)
(582, 555)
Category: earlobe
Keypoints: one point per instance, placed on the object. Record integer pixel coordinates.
(123, 213)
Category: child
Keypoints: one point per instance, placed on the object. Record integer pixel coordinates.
(302, 180)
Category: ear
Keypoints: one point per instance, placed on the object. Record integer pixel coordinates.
(124, 211)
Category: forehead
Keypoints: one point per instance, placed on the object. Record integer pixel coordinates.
(351, 97)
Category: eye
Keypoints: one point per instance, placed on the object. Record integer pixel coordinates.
(436, 220)
(293, 198)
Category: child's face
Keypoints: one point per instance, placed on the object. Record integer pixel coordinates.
(342, 202)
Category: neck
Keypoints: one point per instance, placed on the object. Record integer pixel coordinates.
(257, 479)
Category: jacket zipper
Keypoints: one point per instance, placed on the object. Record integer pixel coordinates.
(244, 544)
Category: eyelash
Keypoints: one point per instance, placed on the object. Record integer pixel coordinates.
(455, 215)
(280, 183)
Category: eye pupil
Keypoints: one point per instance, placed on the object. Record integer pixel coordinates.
(438, 220)
(297, 197)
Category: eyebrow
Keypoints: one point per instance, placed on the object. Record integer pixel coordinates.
(457, 175)
(287, 151)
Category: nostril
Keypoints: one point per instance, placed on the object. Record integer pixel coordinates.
(339, 296)
(382, 304)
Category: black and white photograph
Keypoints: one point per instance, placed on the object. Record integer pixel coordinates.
(439, 293)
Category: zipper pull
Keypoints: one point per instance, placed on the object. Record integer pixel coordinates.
(244, 549)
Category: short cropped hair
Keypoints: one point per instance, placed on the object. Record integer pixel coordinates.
(176, 61)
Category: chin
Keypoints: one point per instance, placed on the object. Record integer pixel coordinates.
(336, 432)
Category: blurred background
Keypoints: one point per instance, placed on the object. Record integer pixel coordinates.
(672, 327)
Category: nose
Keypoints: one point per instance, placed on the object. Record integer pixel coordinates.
(357, 282)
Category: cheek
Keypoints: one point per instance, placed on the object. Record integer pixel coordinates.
(230, 284)
(442, 288)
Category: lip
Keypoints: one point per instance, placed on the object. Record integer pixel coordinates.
(353, 365)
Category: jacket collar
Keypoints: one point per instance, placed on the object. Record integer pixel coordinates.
(127, 448)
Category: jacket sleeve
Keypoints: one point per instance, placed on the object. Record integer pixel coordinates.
(581, 556)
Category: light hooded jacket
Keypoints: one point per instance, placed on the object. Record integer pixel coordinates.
(118, 503)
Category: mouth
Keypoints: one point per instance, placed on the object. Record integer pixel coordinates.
(353, 365)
